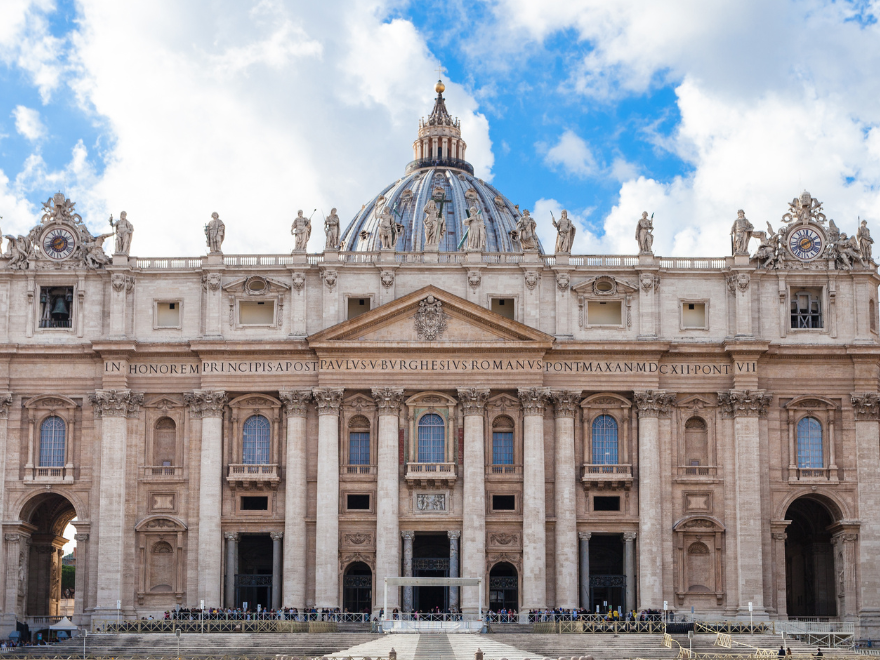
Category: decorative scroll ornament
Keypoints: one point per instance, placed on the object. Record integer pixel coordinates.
(653, 403)
(563, 280)
(295, 402)
(739, 281)
(205, 404)
(299, 281)
(211, 281)
(116, 403)
(430, 319)
(533, 399)
(119, 282)
(473, 400)
(745, 403)
(804, 209)
(531, 278)
(866, 406)
(387, 278)
(388, 399)
(565, 402)
(358, 539)
(649, 281)
(5, 403)
(329, 278)
(474, 279)
(504, 539)
(328, 400)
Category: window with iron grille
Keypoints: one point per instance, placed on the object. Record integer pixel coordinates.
(255, 441)
(806, 309)
(432, 439)
(53, 435)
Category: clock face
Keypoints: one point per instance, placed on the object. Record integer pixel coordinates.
(805, 243)
(59, 243)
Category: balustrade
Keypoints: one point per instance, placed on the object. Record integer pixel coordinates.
(163, 471)
(431, 472)
(606, 476)
(246, 475)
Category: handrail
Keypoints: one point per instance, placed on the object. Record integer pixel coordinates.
(591, 469)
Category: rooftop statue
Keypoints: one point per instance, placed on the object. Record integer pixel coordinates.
(93, 250)
(770, 251)
(565, 231)
(741, 233)
(865, 241)
(301, 229)
(215, 232)
(803, 209)
(389, 229)
(644, 233)
(18, 251)
(331, 230)
(476, 230)
(124, 230)
(435, 225)
(524, 232)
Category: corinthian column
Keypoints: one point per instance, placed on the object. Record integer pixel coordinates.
(565, 409)
(388, 400)
(534, 579)
(473, 403)
(327, 518)
(746, 406)
(650, 405)
(867, 413)
(295, 499)
(209, 406)
(113, 408)
(5, 403)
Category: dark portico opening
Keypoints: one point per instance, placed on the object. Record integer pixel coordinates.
(607, 581)
(430, 559)
(809, 561)
(253, 582)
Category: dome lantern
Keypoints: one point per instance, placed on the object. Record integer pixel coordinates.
(439, 139)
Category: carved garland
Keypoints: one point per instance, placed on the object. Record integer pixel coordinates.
(565, 402)
(295, 402)
(866, 406)
(205, 404)
(388, 399)
(116, 403)
(746, 403)
(5, 403)
(473, 400)
(328, 400)
(533, 399)
(653, 403)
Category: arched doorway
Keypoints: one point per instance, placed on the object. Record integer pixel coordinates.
(503, 587)
(357, 588)
(809, 560)
(41, 591)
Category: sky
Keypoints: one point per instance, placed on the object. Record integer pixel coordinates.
(687, 109)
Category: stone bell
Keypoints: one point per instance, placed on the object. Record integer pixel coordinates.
(60, 307)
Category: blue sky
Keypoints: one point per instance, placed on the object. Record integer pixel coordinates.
(689, 110)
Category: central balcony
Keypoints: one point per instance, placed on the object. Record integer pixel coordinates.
(430, 474)
(249, 477)
(606, 476)
(49, 475)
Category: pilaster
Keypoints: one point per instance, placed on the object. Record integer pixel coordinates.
(565, 405)
(866, 409)
(296, 404)
(327, 518)
(534, 579)
(299, 303)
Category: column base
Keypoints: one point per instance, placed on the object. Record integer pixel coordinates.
(757, 614)
(869, 624)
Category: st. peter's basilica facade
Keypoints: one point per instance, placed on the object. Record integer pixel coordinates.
(438, 394)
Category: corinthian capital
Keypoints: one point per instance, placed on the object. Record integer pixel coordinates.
(116, 403)
(328, 400)
(533, 399)
(5, 403)
(565, 402)
(295, 402)
(204, 403)
(388, 399)
(473, 400)
(866, 406)
(653, 403)
(744, 403)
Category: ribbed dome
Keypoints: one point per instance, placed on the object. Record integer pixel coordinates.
(408, 196)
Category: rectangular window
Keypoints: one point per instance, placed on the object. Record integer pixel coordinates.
(358, 306)
(358, 448)
(251, 503)
(693, 315)
(256, 312)
(168, 315)
(604, 312)
(605, 503)
(502, 448)
(357, 502)
(504, 502)
(56, 306)
(806, 308)
(506, 307)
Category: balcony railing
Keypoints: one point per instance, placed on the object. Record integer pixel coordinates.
(503, 470)
(697, 471)
(812, 475)
(431, 472)
(357, 469)
(457, 163)
(600, 476)
(252, 476)
(167, 471)
(50, 474)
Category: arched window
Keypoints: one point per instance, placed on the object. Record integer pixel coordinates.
(53, 435)
(809, 443)
(696, 442)
(255, 441)
(165, 442)
(359, 441)
(502, 441)
(604, 432)
(432, 439)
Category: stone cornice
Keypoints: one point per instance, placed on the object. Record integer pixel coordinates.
(533, 399)
(653, 403)
(388, 399)
(473, 400)
(866, 406)
(744, 403)
(328, 400)
(5, 403)
(295, 402)
(565, 402)
(116, 403)
(206, 403)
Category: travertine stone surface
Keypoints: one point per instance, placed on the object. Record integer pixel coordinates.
(327, 520)
(867, 414)
(388, 401)
(296, 405)
(473, 537)
(565, 409)
(534, 510)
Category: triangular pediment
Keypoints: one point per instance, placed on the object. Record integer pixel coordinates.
(431, 316)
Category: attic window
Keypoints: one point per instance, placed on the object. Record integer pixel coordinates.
(604, 312)
(256, 285)
(358, 306)
(604, 286)
(260, 312)
(506, 307)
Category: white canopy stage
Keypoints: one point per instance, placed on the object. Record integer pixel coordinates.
(408, 623)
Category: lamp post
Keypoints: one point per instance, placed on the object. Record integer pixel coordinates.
(85, 636)
(177, 634)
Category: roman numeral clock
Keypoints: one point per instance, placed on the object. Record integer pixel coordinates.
(805, 243)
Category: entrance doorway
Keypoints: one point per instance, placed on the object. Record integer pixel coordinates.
(357, 588)
(503, 587)
(50, 513)
(430, 559)
(253, 582)
(607, 581)
(809, 560)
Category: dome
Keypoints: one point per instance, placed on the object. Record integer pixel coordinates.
(438, 172)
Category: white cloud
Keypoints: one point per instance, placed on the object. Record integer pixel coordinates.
(28, 124)
(26, 41)
(572, 154)
(585, 241)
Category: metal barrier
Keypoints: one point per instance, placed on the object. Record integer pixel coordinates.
(210, 626)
